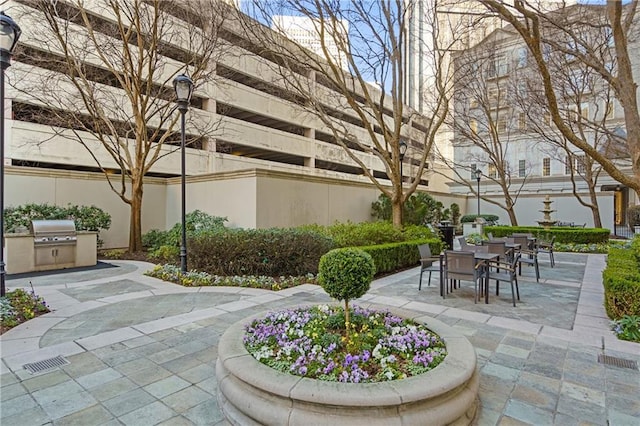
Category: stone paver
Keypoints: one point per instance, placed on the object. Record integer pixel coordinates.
(142, 351)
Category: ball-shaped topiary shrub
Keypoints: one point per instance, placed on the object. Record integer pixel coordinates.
(346, 273)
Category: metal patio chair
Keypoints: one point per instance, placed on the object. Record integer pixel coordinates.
(427, 261)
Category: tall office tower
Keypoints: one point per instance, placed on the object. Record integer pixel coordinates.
(437, 30)
(304, 31)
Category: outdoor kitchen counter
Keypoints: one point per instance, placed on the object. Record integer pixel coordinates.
(20, 253)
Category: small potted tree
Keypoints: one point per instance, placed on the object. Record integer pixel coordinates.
(633, 215)
(345, 274)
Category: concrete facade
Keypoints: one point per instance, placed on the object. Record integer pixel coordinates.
(259, 131)
(497, 106)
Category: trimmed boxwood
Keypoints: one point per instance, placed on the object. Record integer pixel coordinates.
(393, 256)
(621, 279)
(470, 218)
(272, 252)
(563, 235)
(346, 273)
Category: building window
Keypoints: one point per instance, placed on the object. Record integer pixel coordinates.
(522, 121)
(521, 168)
(473, 126)
(492, 171)
(473, 171)
(611, 111)
(572, 113)
(567, 165)
(493, 96)
(522, 90)
(584, 110)
(546, 166)
(581, 164)
(502, 125)
(521, 57)
(546, 52)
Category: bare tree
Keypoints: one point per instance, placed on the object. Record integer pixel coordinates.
(587, 105)
(100, 73)
(569, 31)
(488, 123)
(355, 85)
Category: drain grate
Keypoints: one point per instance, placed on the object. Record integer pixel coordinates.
(47, 364)
(617, 362)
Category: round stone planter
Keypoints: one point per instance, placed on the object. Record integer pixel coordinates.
(250, 393)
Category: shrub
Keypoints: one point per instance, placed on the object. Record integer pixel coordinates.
(351, 234)
(196, 222)
(393, 256)
(633, 214)
(166, 253)
(621, 279)
(419, 209)
(345, 274)
(271, 252)
(455, 214)
(564, 235)
(86, 218)
(470, 218)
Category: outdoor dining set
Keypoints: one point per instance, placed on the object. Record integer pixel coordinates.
(496, 259)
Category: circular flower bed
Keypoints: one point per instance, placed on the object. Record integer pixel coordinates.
(250, 392)
(311, 342)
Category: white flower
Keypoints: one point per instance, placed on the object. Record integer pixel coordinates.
(376, 351)
(263, 352)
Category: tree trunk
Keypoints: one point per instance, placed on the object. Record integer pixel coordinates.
(512, 216)
(347, 322)
(396, 213)
(135, 218)
(595, 209)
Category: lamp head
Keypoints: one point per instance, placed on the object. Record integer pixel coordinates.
(9, 36)
(403, 149)
(183, 86)
(478, 174)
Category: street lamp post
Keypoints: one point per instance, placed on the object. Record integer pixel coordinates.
(9, 35)
(403, 150)
(478, 174)
(184, 88)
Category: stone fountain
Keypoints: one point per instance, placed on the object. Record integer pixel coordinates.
(547, 223)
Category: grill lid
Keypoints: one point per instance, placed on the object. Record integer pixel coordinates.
(53, 227)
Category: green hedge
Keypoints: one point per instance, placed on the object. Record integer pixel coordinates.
(351, 234)
(86, 218)
(621, 280)
(393, 256)
(271, 252)
(563, 235)
(470, 218)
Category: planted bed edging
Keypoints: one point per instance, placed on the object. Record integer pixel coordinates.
(251, 393)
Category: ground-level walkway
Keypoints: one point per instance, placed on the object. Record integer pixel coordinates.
(141, 351)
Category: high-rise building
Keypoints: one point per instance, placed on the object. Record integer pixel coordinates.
(503, 126)
(305, 32)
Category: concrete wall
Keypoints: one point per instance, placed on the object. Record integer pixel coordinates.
(567, 208)
(253, 198)
(27, 185)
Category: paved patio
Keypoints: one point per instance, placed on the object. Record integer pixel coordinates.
(142, 351)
